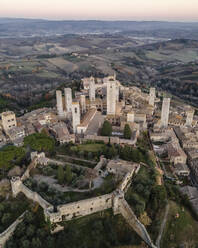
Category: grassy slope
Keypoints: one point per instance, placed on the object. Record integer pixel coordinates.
(182, 230)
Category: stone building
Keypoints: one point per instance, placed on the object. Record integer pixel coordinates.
(8, 120)
(131, 117)
(82, 127)
(189, 117)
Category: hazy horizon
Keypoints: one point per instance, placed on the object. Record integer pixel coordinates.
(111, 10)
(108, 20)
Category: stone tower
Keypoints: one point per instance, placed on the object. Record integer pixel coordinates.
(83, 103)
(117, 91)
(68, 99)
(152, 97)
(59, 103)
(75, 115)
(111, 97)
(92, 90)
(189, 117)
(165, 112)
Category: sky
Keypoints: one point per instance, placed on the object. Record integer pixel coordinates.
(169, 10)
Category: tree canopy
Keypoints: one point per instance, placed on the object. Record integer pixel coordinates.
(106, 129)
(40, 142)
(127, 132)
(11, 155)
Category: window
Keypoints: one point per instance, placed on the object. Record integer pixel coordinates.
(76, 111)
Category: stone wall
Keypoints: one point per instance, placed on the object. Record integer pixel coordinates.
(126, 181)
(18, 186)
(10, 230)
(112, 140)
(102, 162)
(132, 220)
(80, 208)
(114, 200)
(31, 166)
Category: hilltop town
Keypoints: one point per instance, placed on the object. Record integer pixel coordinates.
(104, 147)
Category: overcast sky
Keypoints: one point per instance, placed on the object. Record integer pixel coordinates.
(179, 10)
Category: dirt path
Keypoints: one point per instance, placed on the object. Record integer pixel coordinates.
(79, 159)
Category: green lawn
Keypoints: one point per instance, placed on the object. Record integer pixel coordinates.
(181, 230)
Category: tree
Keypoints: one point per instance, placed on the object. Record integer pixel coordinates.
(60, 174)
(144, 218)
(159, 195)
(6, 218)
(106, 129)
(40, 142)
(36, 243)
(127, 132)
(68, 175)
(10, 155)
(30, 231)
(25, 243)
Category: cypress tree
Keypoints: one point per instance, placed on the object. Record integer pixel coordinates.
(127, 132)
(106, 129)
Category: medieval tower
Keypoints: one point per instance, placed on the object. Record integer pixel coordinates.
(75, 115)
(165, 112)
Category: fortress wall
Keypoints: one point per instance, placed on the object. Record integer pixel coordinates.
(128, 141)
(133, 221)
(100, 163)
(31, 166)
(126, 180)
(113, 140)
(81, 208)
(34, 196)
(4, 237)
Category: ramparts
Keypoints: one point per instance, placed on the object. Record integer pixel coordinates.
(80, 208)
(10, 230)
(112, 140)
(114, 200)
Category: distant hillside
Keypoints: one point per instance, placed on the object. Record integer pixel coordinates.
(35, 27)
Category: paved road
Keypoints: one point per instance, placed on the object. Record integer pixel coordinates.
(162, 226)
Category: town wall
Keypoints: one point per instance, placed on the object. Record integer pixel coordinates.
(112, 140)
(18, 186)
(4, 237)
(81, 208)
(126, 181)
(133, 221)
(34, 196)
(100, 164)
(114, 200)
